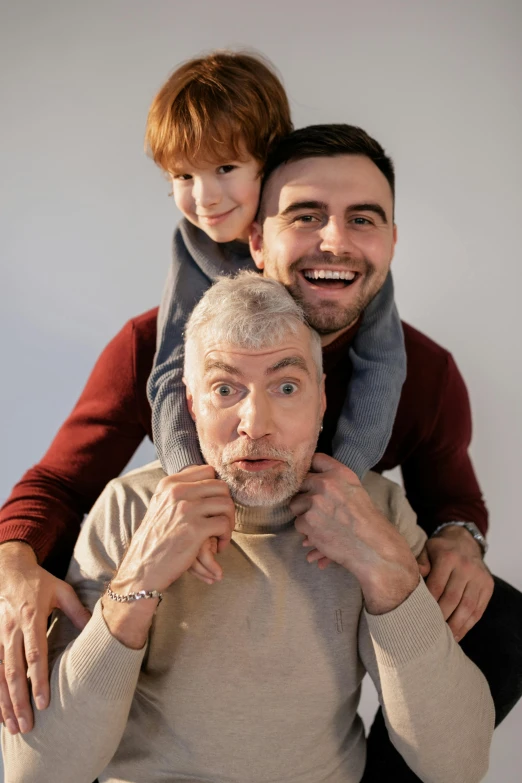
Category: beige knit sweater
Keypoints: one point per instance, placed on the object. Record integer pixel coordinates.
(255, 679)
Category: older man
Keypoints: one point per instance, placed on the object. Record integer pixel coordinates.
(256, 677)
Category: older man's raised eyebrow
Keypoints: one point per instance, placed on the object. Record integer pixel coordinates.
(368, 207)
(288, 361)
(215, 364)
(297, 206)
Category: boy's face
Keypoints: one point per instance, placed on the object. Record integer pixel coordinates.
(219, 198)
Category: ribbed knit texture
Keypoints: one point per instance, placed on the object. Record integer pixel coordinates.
(256, 678)
(377, 355)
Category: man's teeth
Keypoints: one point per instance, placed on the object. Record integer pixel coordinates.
(327, 274)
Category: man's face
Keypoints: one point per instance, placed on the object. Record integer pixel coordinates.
(328, 235)
(258, 415)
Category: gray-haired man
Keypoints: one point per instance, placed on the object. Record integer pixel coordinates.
(257, 676)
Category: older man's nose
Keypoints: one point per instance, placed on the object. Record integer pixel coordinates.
(335, 237)
(255, 419)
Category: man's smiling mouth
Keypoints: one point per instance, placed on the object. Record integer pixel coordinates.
(329, 278)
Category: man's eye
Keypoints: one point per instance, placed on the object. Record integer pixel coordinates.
(224, 390)
(361, 221)
(226, 169)
(288, 388)
(307, 219)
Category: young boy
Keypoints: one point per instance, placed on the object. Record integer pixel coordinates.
(210, 128)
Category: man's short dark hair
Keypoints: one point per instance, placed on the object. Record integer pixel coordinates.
(327, 141)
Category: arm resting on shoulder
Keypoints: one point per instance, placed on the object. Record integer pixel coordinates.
(93, 676)
(437, 704)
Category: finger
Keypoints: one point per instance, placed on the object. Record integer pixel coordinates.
(424, 563)
(207, 560)
(70, 604)
(453, 593)
(468, 612)
(6, 708)
(206, 488)
(301, 503)
(313, 556)
(438, 577)
(324, 562)
(201, 573)
(35, 646)
(17, 683)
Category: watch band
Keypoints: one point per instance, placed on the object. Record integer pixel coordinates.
(470, 527)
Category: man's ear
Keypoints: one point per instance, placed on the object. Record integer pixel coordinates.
(323, 395)
(394, 240)
(256, 244)
(190, 400)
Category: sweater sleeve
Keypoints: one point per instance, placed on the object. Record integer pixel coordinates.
(93, 675)
(174, 432)
(47, 505)
(439, 478)
(437, 705)
(378, 359)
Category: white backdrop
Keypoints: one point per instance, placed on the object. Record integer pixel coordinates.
(86, 223)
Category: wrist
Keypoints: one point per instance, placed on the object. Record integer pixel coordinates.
(465, 532)
(18, 550)
(129, 623)
(388, 584)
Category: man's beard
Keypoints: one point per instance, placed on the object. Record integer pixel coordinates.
(270, 487)
(325, 316)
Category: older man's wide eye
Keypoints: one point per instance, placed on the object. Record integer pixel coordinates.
(288, 388)
(224, 391)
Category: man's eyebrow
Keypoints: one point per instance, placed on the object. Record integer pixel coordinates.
(296, 206)
(369, 207)
(215, 364)
(288, 361)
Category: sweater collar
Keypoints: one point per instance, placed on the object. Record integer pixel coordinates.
(263, 519)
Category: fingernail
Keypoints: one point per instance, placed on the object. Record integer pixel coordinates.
(24, 726)
(40, 702)
(456, 638)
(11, 726)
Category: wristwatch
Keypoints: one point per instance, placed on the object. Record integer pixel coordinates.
(471, 528)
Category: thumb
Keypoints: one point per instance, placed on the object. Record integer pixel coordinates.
(70, 604)
(321, 463)
(424, 563)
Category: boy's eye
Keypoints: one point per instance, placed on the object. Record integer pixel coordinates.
(183, 177)
(288, 388)
(226, 169)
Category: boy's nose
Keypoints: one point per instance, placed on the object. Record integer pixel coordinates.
(206, 194)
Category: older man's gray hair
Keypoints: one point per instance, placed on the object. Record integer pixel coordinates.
(247, 311)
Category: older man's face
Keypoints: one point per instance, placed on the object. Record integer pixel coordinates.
(328, 235)
(258, 415)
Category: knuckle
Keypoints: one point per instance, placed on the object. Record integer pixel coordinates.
(28, 613)
(32, 656)
(10, 626)
(13, 675)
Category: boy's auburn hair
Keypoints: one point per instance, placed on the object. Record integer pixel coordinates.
(216, 108)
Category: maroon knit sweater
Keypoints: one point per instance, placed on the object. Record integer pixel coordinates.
(430, 440)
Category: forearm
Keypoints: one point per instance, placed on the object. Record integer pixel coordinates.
(378, 361)
(437, 704)
(92, 686)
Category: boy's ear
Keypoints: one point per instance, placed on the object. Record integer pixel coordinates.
(190, 400)
(256, 244)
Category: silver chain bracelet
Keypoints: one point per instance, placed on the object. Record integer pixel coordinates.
(134, 596)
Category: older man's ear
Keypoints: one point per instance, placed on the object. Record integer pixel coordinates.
(256, 244)
(190, 400)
